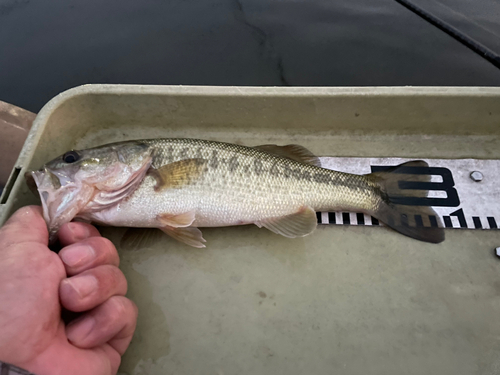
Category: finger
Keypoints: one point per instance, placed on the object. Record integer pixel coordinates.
(91, 288)
(87, 254)
(71, 233)
(113, 322)
(25, 225)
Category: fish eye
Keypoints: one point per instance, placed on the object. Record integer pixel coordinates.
(71, 157)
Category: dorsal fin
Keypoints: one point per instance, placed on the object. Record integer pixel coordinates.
(177, 174)
(294, 152)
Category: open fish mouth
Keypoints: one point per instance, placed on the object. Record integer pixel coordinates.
(60, 203)
(43, 183)
(67, 192)
(30, 181)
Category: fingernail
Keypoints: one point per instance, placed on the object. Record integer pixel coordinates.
(79, 232)
(79, 329)
(83, 285)
(77, 254)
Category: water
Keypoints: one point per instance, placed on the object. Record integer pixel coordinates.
(48, 47)
(478, 19)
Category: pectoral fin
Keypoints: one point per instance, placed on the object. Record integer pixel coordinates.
(299, 224)
(294, 152)
(191, 236)
(178, 174)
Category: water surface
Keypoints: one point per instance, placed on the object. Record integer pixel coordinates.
(48, 47)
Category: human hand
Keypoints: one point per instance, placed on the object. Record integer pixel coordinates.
(36, 283)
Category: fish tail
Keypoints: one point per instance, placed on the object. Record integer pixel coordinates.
(397, 202)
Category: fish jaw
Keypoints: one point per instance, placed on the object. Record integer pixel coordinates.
(60, 204)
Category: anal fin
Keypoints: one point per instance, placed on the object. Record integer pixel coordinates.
(298, 224)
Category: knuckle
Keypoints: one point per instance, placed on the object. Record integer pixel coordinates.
(54, 264)
(42, 259)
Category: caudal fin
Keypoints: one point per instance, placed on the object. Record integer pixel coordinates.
(397, 207)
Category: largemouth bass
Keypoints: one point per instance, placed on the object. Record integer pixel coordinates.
(181, 185)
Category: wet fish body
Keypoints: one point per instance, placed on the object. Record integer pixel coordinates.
(237, 185)
(180, 185)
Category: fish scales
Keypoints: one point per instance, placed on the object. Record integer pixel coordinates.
(178, 185)
(239, 185)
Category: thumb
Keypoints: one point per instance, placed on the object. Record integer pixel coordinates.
(26, 225)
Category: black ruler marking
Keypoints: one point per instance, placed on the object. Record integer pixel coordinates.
(447, 222)
(492, 222)
(477, 222)
(433, 220)
(461, 217)
(418, 221)
(331, 218)
(404, 220)
(346, 218)
(361, 218)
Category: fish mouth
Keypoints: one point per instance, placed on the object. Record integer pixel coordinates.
(66, 193)
(41, 183)
(30, 181)
(60, 204)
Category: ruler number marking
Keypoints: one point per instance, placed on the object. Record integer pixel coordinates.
(447, 185)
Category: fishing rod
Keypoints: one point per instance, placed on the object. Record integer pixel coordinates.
(467, 41)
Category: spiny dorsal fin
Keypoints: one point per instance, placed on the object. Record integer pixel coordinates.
(298, 224)
(294, 152)
(177, 174)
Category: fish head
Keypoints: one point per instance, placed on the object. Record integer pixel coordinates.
(69, 183)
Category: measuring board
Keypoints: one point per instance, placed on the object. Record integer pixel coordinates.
(460, 200)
